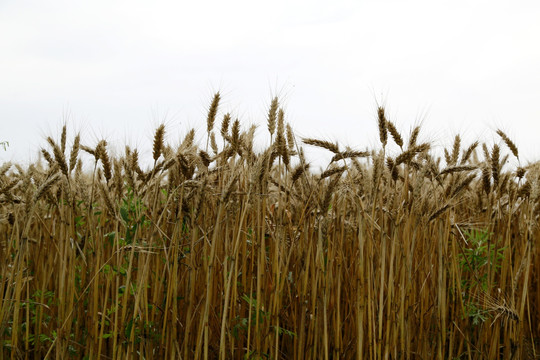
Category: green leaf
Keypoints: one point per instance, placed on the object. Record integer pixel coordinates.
(124, 214)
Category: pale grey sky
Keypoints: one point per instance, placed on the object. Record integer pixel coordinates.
(116, 69)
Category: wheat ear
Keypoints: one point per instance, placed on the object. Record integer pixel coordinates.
(158, 142)
(509, 143)
(383, 134)
(212, 112)
(272, 115)
(322, 144)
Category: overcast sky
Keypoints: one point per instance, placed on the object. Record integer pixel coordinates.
(116, 69)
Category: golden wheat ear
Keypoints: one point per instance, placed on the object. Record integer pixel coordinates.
(499, 305)
(158, 142)
(414, 136)
(381, 118)
(322, 144)
(74, 152)
(212, 112)
(272, 115)
(395, 133)
(513, 148)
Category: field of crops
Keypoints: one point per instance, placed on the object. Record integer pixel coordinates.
(221, 251)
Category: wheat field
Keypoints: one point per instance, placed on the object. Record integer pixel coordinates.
(218, 251)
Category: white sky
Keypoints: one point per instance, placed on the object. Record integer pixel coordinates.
(116, 69)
